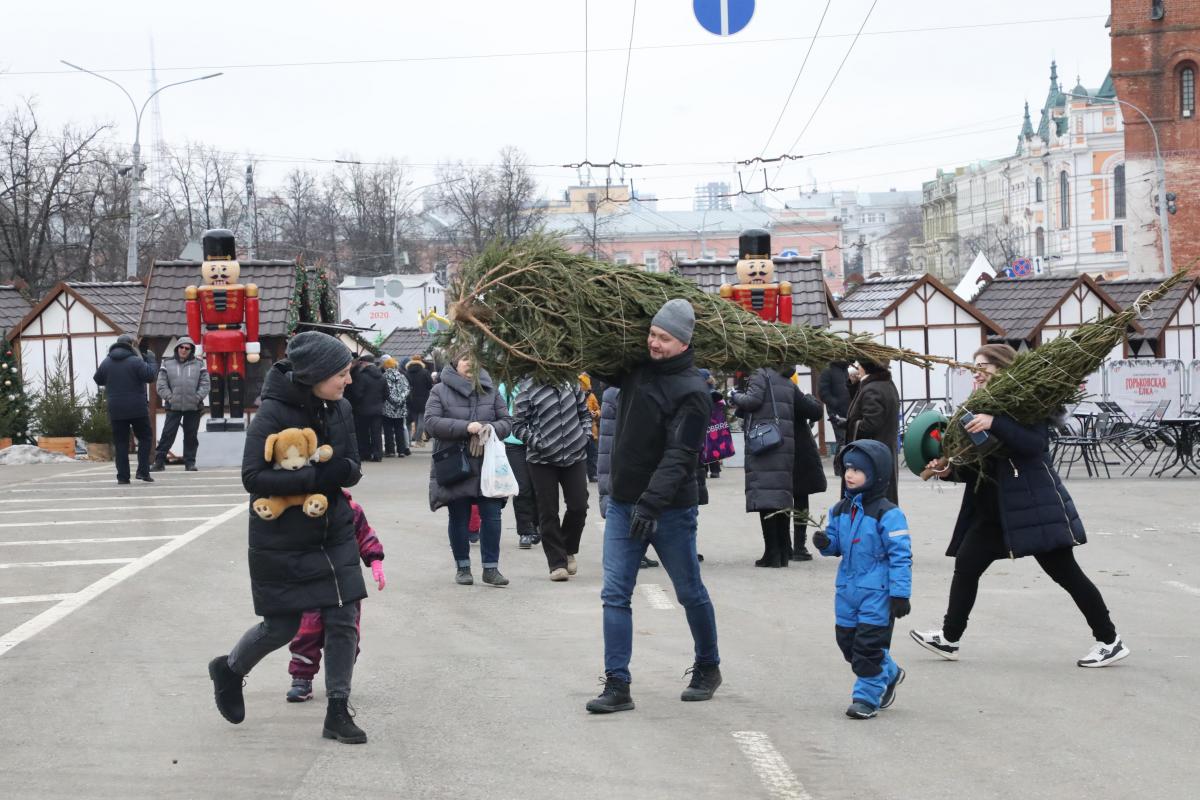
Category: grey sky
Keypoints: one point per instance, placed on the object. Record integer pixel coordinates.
(711, 100)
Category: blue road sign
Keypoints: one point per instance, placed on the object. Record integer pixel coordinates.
(723, 17)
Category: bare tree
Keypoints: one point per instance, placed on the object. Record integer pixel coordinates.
(1000, 244)
(489, 203)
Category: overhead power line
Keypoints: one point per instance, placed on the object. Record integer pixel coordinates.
(731, 41)
(625, 90)
(796, 82)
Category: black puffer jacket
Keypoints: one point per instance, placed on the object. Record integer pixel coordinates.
(662, 418)
(808, 477)
(875, 414)
(769, 474)
(554, 423)
(299, 562)
(369, 392)
(453, 404)
(420, 384)
(604, 445)
(1036, 513)
(124, 376)
(833, 391)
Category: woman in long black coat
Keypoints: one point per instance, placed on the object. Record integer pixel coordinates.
(770, 397)
(298, 562)
(1019, 507)
(808, 473)
(875, 414)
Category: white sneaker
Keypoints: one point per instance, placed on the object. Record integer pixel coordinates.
(572, 565)
(559, 574)
(1102, 655)
(935, 642)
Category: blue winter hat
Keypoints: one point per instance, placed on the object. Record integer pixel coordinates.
(861, 461)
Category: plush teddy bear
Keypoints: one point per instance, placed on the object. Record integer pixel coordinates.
(292, 449)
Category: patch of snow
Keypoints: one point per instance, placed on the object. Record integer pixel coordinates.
(30, 454)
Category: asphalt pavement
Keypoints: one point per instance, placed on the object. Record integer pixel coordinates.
(113, 599)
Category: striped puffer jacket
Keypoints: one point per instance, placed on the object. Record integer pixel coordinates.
(554, 423)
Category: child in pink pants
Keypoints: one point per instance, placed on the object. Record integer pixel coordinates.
(306, 646)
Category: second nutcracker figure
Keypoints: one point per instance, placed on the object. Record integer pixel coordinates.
(216, 314)
(757, 291)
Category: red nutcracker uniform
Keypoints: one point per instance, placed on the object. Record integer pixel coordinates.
(216, 313)
(757, 292)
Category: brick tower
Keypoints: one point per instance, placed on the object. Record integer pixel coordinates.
(1155, 65)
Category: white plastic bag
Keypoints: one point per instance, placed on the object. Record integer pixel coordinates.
(496, 478)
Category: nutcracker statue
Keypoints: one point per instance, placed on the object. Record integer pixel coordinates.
(756, 291)
(216, 313)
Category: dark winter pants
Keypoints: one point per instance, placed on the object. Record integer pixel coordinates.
(866, 648)
(395, 436)
(560, 539)
(489, 534)
(308, 641)
(370, 436)
(141, 429)
(191, 424)
(525, 503)
(593, 458)
(977, 552)
(277, 630)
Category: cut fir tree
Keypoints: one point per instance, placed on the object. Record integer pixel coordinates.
(1042, 381)
(14, 402)
(536, 309)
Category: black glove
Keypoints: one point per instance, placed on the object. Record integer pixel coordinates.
(900, 607)
(334, 473)
(820, 539)
(642, 525)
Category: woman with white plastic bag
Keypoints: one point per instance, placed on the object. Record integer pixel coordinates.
(554, 423)
(496, 478)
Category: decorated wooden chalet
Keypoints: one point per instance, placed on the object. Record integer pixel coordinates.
(1036, 310)
(72, 327)
(289, 295)
(402, 343)
(13, 308)
(921, 313)
(1169, 326)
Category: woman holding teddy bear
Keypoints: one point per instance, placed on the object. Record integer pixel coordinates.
(300, 560)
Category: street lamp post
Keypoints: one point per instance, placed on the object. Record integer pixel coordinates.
(135, 191)
(1160, 168)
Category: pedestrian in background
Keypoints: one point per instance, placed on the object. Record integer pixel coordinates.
(420, 382)
(874, 413)
(124, 375)
(771, 397)
(525, 503)
(463, 409)
(395, 410)
(593, 407)
(833, 390)
(368, 394)
(554, 423)
(808, 472)
(182, 386)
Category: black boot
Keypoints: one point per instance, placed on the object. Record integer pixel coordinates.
(783, 544)
(705, 680)
(159, 465)
(770, 556)
(227, 687)
(615, 697)
(339, 723)
(800, 548)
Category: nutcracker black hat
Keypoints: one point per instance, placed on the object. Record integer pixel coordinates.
(754, 243)
(219, 245)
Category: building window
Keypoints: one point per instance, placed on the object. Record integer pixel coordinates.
(650, 259)
(621, 258)
(1040, 239)
(1064, 200)
(1119, 192)
(1187, 92)
(1037, 191)
(1119, 238)
(733, 253)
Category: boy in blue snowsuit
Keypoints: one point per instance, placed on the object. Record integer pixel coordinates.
(874, 580)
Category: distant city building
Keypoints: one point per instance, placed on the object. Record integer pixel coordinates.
(1060, 201)
(876, 227)
(1155, 61)
(712, 196)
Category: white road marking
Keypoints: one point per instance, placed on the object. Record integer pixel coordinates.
(80, 472)
(58, 522)
(138, 507)
(772, 771)
(136, 492)
(656, 597)
(83, 562)
(91, 541)
(156, 480)
(33, 598)
(123, 497)
(81, 598)
(1183, 587)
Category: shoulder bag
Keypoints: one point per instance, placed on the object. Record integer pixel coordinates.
(765, 436)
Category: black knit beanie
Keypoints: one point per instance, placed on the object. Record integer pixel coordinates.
(316, 356)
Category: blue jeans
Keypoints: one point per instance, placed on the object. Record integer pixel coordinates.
(489, 530)
(675, 543)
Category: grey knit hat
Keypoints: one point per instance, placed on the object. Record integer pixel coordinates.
(677, 318)
(315, 356)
